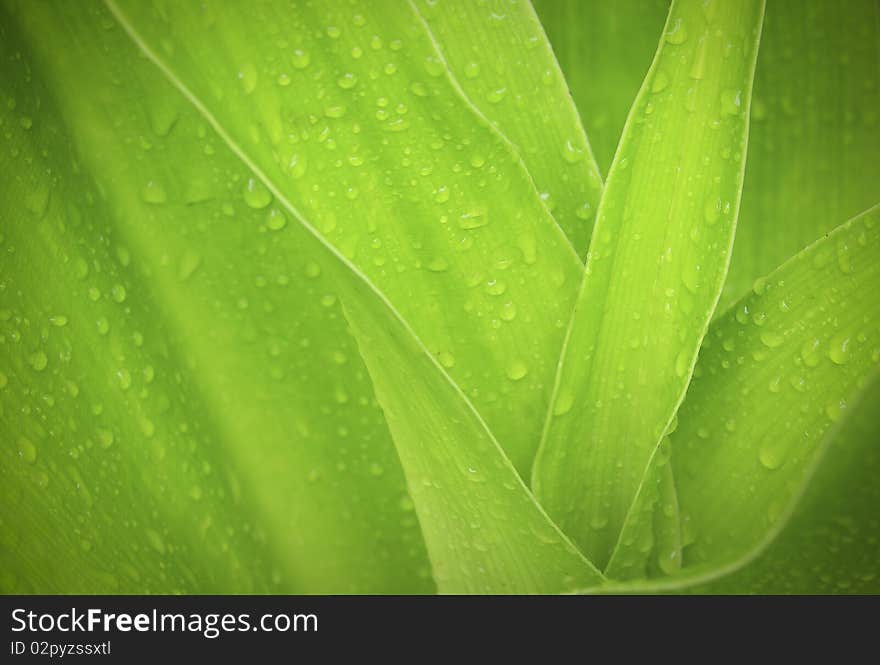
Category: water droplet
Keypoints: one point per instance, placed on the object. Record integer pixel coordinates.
(677, 34)
(446, 359)
(58, 320)
(772, 339)
(473, 218)
(495, 96)
(810, 352)
(27, 451)
(508, 312)
(256, 195)
(124, 378)
(38, 361)
(247, 76)
(442, 194)
(433, 66)
(563, 404)
(771, 457)
(598, 522)
(571, 153)
(103, 325)
(495, 287)
(118, 293)
(839, 349)
(517, 370)
(276, 220)
(336, 111)
(731, 102)
(300, 59)
(661, 81)
(759, 286)
(690, 277)
(584, 211)
(347, 81)
(835, 410)
(153, 193)
(105, 438)
(472, 70)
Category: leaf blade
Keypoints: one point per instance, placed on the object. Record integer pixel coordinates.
(519, 87)
(464, 266)
(601, 433)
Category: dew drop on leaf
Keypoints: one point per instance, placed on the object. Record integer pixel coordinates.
(517, 370)
(38, 361)
(731, 102)
(771, 339)
(839, 349)
(677, 34)
(27, 451)
(154, 193)
(571, 153)
(256, 195)
(300, 59)
(276, 220)
(446, 359)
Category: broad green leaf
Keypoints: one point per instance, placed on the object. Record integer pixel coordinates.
(604, 49)
(484, 530)
(775, 377)
(654, 271)
(151, 320)
(518, 86)
(831, 544)
(360, 127)
(814, 139)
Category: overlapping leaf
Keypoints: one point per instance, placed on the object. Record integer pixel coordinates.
(604, 49)
(371, 138)
(518, 86)
(654, 271)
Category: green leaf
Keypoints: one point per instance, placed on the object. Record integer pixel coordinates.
(184, 409)
(518, 86)
(654, 271)
(814, 138)
(604, 49)
(484, 531)
(378, 149)
(831, 544)
(775, 377)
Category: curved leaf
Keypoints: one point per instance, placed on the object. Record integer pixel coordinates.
(518, 86)
(371, 139)
(831, 544)
(654, 271)
(779, 371)
(484, 531)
